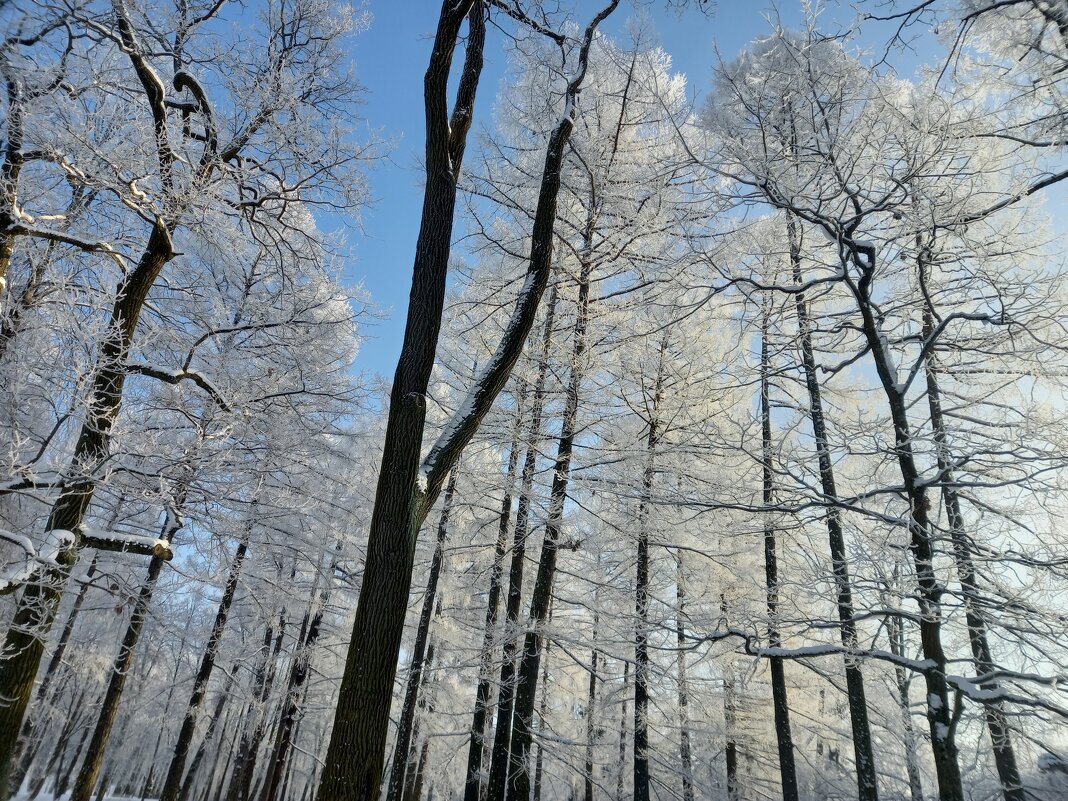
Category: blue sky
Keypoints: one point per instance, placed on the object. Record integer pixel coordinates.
(390, 60)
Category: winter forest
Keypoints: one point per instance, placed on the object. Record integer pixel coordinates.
(722, 450)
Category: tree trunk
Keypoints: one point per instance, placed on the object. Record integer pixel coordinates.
(730, 721)
(28, 728)
(996, 721)
(498, 776)
(591, 703)
(622, 773)
(94, 756)
(780, 703)
(641, 593)
(39, 600)
(541, 598)
(940, 718)
(543, 712)
(402, 753)
(896, 634)
(240, 788)
(684, 695)
(863, 750)
(172, 784)
(476, 748)
(354, 758)
(213, 724)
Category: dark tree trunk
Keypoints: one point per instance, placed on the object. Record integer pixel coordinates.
(402, 753)
(591, 717)
(867, 780)
(940, 717)
(209, 735)
(476, 748)
(543, 711)
(641, 593)
(173, 783)
(730, 722)
(622, 773)
(39, 600)
(354, 758)
(498, 776)
(94, 756)
(780, 702)
(28, 728)
(240, 788)
(996, 720)
(896, 634)
(685, 754)
(285, 736)
(541, 597)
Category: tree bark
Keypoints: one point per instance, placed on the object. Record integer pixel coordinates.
(28, 727)
(940, 717)
(685, 754)
(355, 755)
(39, 600)
(94, 756)
(591, 704)
(622, 773)
(209, 735)
(541, 598)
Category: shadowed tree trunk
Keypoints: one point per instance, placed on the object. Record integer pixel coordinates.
(28, 727)
(591, 703)
(209, 735)
(622, 773)
(641, 592)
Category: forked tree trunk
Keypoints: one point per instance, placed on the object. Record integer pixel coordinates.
(173, 782)
(940, 717)
(863, 749)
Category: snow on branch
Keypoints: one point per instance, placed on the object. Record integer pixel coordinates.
(14, 576)
(126, 543)
(177, 376)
